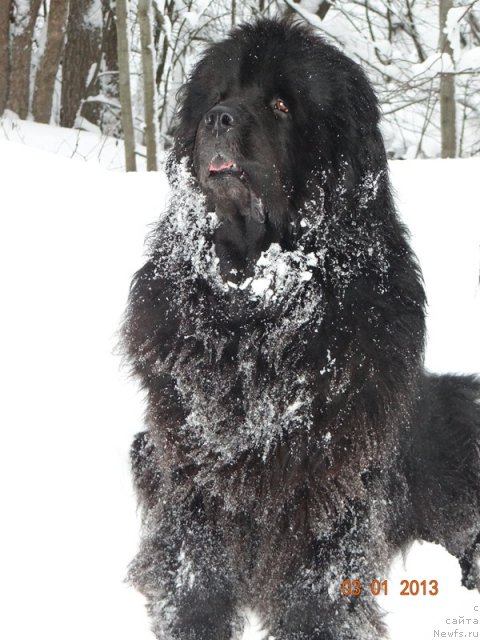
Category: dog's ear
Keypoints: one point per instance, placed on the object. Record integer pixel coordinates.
(365, 142)
(348, 114)
(193, 99)
(184, 130)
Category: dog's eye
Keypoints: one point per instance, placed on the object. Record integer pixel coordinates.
(280, 105)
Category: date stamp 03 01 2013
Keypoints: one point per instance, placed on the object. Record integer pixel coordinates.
(354, 587)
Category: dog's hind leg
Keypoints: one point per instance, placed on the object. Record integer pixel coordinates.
(311, 602)
(309, 612)
(469, 562)
(443, 469)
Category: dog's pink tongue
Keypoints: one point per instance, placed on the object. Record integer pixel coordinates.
(220, 164)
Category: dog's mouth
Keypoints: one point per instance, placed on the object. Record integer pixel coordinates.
(220, 167)
(230, 187)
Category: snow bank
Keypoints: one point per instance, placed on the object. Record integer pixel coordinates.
(88, 146)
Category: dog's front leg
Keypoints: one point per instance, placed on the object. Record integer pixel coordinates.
(184, 571)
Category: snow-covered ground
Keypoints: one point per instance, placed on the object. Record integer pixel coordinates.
(71, 237)
(86, 146)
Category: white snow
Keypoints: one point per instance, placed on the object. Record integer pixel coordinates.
(84, 143)
(260, 286)
(93, 18)
(438, 203)
(469, 59)
(435, 63)
(22, 8)
(71, 237)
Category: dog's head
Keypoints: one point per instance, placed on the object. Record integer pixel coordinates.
(273, 117)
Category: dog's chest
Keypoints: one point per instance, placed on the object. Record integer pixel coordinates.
(245, 399)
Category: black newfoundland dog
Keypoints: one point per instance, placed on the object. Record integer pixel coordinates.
(294, 440)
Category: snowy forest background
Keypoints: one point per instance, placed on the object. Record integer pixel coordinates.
(71, 236)
(66, 62)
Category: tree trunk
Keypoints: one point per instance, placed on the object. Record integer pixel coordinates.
(21, 57)
(102, 105)
(149, 88)
(4, 50)
(110, 46)
(124, 85)
(82, 54)
(323, 9)
(447, 90)
(50, 61)
(164, 49)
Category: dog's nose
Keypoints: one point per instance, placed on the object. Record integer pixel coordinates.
(219, 119)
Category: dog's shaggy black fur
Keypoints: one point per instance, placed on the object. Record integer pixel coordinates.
(294, 439)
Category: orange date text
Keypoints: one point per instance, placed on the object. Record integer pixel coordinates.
(355, 587)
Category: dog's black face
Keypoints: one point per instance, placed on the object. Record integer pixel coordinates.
(266, 123)
(242, 159)
(242, 155)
